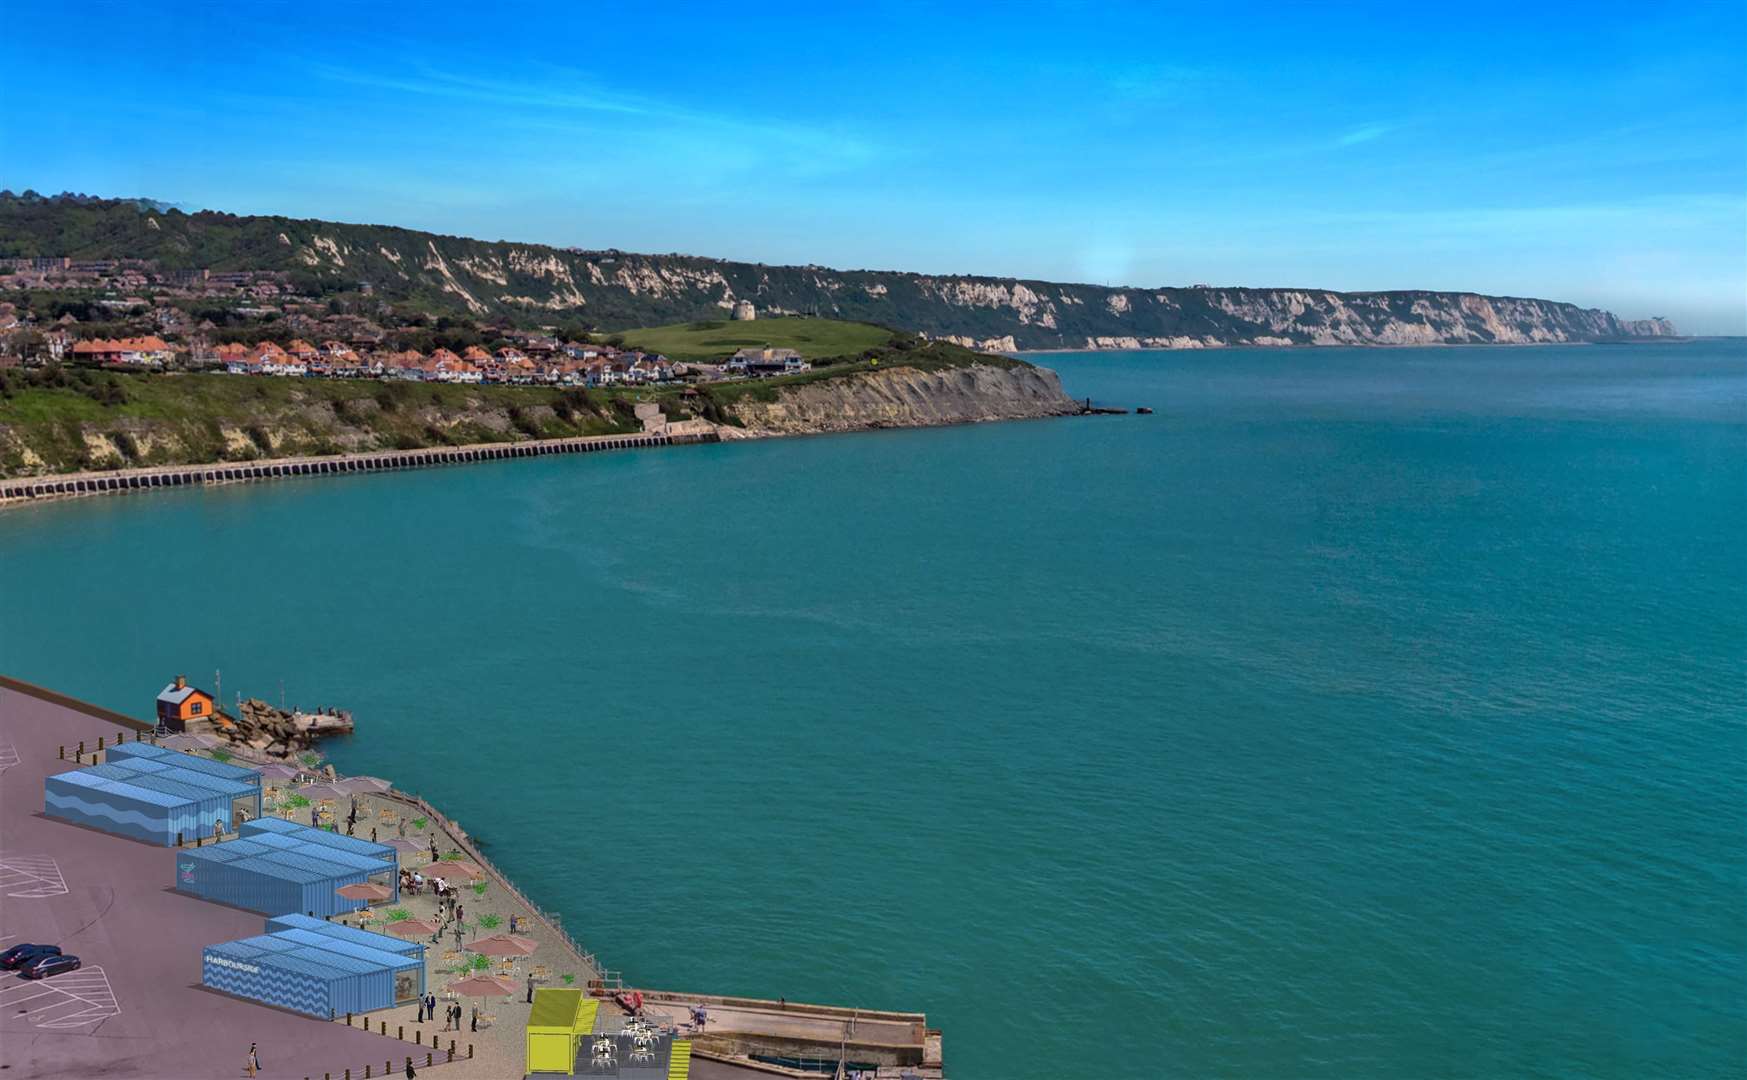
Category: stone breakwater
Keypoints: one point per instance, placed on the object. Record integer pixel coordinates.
(906, 397)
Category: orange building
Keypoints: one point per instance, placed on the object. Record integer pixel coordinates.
(180, 703)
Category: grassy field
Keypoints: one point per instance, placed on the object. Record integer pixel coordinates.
(812, 338)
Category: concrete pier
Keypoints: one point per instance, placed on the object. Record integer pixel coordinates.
(120, 480)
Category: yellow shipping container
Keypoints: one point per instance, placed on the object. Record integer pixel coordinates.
(560, 1020)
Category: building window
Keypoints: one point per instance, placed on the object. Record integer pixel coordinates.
(196, 708)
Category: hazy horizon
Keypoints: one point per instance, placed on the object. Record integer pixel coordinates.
(1591, 157)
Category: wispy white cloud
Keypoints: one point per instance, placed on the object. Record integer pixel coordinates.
(565, 98)
(1364, 133)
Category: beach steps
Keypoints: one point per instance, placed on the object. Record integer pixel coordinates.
(679, 1060)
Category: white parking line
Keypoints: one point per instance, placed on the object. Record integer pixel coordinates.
(8, 755)
(78, 998)
(31, 877)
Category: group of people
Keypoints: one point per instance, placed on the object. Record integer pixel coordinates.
(452, 1013)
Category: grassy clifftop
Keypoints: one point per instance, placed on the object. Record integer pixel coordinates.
(714, 339)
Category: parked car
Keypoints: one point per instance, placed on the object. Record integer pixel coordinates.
(23, 953)
(45, 966)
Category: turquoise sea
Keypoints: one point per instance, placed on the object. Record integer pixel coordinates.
(1359, 714)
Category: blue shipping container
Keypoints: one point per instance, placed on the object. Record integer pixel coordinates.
(312, 973)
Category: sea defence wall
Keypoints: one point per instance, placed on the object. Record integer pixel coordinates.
(123, 480)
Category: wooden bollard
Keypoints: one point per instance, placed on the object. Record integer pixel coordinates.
(436, 1040)
(384, 1024)
(81, 747)
(100, 742)
(366, 1072)
(428, 1059)
(348, 1074)
(400, 1032)
(348, 1019)
(63, 753)
(470, 1051)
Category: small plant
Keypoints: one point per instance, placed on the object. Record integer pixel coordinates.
(490, 922)
(398, 914)
(297, 802)
(310, 759)
(479, 887)
(481, 962)
(220, 754)
(451, 856)
(568, 979)
(419, 823)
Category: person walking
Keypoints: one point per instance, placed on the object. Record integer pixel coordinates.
(457, 934)
(512, 922)
(249, 1063)
(530, 988)
(430, 1006)
(400, 825)
(255, 1057)
(372, 834)
(475, 1018)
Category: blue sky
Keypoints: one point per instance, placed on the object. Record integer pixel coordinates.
(1594, 153)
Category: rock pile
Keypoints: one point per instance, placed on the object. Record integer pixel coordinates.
(277, 732)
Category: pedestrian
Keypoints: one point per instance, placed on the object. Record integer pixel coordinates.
(475, 1018)
(457, 933)
(372, 834)
(430, 1006)
(460, 911)
(530, 989)
(350, 822)
(249, 1065)
(254, 1057)
(400, 826)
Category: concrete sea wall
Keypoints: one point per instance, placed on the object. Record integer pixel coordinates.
(25, 489)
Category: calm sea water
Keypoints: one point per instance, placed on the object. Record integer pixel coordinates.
(1360, 714)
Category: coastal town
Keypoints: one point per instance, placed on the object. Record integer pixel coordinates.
(132, 314)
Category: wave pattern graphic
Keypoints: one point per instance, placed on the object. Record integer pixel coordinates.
(301, 993)
(131, 823)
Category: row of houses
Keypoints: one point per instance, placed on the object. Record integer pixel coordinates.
(147, 351)
(573, 364)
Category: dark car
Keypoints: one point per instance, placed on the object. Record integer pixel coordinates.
(44, 966)
(21, 954)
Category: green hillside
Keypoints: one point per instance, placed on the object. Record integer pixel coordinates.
(714, 340)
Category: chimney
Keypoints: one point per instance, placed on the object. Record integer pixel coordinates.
(181, 682)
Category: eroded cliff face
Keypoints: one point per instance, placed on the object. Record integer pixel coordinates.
(615, 289)
(906, 397)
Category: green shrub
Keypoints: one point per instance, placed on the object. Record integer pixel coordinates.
(490, 922)
(398, 914)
